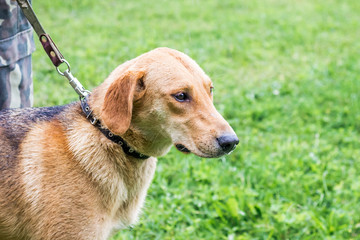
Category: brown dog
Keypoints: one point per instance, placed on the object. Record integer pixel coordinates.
(67, 176)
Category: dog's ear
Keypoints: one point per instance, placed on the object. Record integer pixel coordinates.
(116, 111)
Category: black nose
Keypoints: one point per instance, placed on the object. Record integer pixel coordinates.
(228, 142)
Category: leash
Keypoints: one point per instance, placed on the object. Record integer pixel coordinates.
(57, 59)
(50, 48)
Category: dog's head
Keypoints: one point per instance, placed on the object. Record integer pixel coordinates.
(162, 98)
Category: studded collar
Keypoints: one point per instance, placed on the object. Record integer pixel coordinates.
(111, 136)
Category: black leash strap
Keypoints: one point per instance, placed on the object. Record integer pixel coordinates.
(50, 48)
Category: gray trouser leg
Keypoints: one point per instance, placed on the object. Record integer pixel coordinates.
(16, 88)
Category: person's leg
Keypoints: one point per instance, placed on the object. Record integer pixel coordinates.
(16, 89)
(26, 84)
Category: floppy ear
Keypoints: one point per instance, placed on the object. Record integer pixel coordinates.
(116, 111)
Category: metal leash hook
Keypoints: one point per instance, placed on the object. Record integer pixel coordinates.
(74, 82)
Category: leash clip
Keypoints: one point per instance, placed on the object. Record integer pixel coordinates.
(74, 82)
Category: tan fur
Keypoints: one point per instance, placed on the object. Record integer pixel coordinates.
(61, 178)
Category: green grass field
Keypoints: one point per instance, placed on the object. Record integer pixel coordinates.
(286, 76)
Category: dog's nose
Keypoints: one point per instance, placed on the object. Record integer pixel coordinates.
(228, 142)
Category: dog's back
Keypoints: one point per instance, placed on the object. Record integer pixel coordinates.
(14, 126)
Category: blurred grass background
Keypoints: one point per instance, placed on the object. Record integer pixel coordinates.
(286, 76)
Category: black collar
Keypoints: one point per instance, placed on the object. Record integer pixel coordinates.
(115, 138)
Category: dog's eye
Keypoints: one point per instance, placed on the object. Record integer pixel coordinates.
(211, 90)
(181, 97)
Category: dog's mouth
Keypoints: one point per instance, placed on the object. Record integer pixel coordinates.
(200, 153)
(182, 148)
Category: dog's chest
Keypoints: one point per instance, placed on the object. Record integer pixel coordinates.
(128, 193)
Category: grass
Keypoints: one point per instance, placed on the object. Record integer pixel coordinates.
(286, 76)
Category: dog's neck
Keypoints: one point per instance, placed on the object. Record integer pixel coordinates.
(128, 150)
(149, 143)
(138, 137)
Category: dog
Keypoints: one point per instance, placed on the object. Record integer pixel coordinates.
(82, 170)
